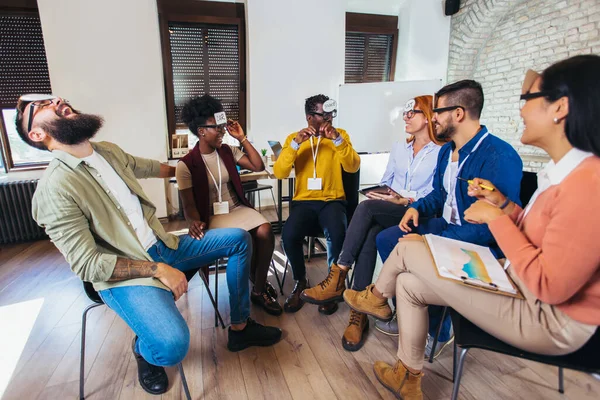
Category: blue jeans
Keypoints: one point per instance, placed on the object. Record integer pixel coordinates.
(163, 335)
(388, 239)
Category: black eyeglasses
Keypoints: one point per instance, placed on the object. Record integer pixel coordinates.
(444, 109)
(411, 113)
(530, 96)
(220, 128)
(36, 100)
(327, 115)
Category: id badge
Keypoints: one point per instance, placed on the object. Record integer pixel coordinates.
(314, 183)
(221, 207)
(408, 194)
(447, 212)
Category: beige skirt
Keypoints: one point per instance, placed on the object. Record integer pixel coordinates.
(242, 217)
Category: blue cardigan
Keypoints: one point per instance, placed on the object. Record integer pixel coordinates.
(494, 160)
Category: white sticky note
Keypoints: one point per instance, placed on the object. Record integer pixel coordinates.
(329, 106)
(410, 105)
(220, 118)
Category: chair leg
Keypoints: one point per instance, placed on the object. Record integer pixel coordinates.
(259, 207)
(82, 355)
(212, 300)
(311, 243)
(349, 279)
(454, 355)
(287, 263)
(274, 202)
(458, 374)
(277, 276)
(561, 380)
(217, 291)
(437, 335)
(186, 389)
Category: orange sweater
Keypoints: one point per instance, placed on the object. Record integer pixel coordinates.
(555, 250)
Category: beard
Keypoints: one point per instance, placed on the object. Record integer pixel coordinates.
(446, 134)
(74, 130)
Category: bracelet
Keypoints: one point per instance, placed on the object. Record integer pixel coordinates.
(503, 206)
(244, 139)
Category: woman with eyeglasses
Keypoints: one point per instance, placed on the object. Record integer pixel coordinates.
(551, 245)
(212, 194)
(409, 174)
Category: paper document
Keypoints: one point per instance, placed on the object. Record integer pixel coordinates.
(469, 263)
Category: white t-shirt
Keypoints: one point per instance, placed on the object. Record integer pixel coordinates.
(128, 200)
(450, 186)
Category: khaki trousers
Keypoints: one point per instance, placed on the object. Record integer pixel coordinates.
(529, 324)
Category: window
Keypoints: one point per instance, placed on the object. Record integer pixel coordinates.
(203, 54)
(371, 42)
(24, 70)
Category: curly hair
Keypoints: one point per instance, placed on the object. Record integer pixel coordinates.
(310, 105)
(197, 110)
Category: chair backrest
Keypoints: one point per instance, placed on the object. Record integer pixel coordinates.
(351, 183)
(528, 186)
(91, 293)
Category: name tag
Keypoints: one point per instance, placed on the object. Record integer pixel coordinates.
(408, 194)
(314, 183)
(221, 207)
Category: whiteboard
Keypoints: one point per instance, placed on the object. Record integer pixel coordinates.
(371, 113)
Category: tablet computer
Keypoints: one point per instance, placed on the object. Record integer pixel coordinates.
(383, 189)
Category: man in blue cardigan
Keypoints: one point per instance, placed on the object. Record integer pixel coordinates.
(472, 153)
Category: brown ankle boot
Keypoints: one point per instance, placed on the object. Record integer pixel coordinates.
(400, 381)
(367, 303)
(293, 303)
(331, 289)
(355, 333)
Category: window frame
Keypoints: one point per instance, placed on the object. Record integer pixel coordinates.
(204, 12)
(19, 8)
(374, 24)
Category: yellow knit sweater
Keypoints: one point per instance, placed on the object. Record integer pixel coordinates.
(330, 161)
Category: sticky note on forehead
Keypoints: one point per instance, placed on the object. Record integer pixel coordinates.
(220, 118)
(329, 106)
(410, 105)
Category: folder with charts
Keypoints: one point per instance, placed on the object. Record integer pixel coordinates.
(469, 264)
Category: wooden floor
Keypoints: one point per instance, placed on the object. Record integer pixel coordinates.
(309, 363)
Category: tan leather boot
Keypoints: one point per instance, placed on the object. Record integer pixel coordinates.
(367, 303)
(397, 379)
(355, 333)
(331, 289)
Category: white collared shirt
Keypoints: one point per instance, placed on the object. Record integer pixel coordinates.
(555, 173)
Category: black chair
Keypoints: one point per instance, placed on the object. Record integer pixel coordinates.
(351, 184)
(252, 187)
(97, 301)
(528, 187)
(469, 336)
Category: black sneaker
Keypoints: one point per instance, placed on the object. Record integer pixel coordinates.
(153, 379)
(254, 334)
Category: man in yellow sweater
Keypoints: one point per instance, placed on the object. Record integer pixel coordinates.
(318, 152)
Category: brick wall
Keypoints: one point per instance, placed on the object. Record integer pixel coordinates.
(496, 41)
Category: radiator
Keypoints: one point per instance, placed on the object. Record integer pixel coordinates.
(16, 222)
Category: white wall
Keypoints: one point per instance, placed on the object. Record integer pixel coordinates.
(290, 59)
(105, 57)
(423, 41)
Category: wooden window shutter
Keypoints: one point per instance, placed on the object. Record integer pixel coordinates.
(369, 57)
(22, 57)
(205, 58)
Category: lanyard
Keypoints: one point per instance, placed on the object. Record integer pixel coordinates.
(453, 188)
(408, 177)
(314, 154)
(219, 185)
